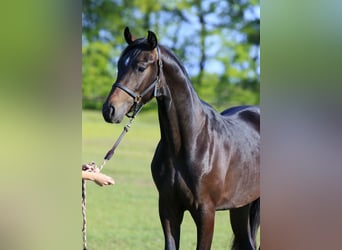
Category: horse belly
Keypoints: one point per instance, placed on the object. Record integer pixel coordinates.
(242, 186)
(237, 198)
(233, 182)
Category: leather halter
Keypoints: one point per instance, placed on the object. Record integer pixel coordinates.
(138, 104)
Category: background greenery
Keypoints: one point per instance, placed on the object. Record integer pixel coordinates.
(218, 41)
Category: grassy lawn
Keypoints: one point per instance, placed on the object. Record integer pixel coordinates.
(125, 216)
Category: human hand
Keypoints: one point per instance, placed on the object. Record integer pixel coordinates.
(102, 179)
(92, 172)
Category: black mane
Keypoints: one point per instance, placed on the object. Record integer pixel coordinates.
(174, 57)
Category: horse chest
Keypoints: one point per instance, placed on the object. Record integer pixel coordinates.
(173, 181)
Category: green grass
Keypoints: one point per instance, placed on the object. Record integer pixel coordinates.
(125, 216)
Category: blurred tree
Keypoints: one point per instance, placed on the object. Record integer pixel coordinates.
(218, 41)
(97, 74)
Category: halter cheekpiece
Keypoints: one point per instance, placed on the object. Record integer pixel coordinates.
(138, 104)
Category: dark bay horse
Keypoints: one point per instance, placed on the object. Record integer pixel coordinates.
(205, 161)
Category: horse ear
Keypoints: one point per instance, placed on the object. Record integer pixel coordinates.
(152, 39)
(128, 36)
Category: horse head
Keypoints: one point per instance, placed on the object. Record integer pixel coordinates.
(138, 74)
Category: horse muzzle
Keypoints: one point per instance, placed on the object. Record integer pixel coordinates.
(112, 114)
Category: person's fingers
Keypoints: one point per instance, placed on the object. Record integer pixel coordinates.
(109, 182)
(102, 179)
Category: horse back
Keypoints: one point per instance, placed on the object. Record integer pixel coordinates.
(249, 114)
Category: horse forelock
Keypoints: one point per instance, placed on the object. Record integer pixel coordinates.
(127, 56)
(132, 51)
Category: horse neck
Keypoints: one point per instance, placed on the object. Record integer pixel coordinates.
(180, 110)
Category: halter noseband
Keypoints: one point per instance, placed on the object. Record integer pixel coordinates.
(138, 104)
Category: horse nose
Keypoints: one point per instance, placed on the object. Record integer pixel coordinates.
(108, 112)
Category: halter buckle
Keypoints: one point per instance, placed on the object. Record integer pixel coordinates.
(137, 99)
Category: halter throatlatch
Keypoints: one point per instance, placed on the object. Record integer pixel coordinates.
(138, 103)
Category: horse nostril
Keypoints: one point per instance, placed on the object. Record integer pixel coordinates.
(111, 112)
(108, 112)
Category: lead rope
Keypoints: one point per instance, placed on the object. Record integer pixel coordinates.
(84, 228)
(91, 168)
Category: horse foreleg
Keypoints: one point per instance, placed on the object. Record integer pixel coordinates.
(204, 218)
(171, 218)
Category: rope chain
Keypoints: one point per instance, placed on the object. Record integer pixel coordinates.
(84, 228)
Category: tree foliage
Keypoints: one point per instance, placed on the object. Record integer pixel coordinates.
(218, 41)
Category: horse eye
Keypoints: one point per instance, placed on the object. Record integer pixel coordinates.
(141, 68)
